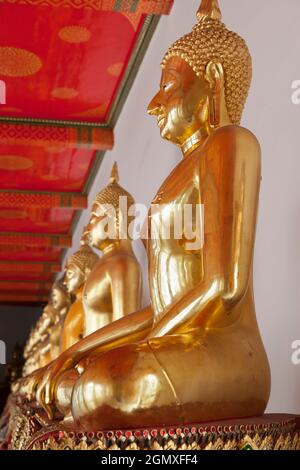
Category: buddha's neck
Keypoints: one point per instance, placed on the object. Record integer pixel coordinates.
(79, 292)
(194, 141)
(200, 136)
(115, 246)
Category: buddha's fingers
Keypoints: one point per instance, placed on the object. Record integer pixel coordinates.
(40, 391)
(49, 388)
(40, 397)
(31, 387)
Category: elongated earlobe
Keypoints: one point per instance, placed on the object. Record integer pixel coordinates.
(214, 74)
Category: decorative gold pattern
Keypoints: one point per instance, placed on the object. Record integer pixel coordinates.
(29, 430)
(115, 69)
(42, 200)
(133, 18)
(17, 62)
(64, 93)
(70, 136)
(15, 163)
(97, 112)
(74, 34)
(186, 442)
(12, 214)
(153, 7)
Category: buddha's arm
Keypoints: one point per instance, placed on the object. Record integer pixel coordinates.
(234, 173)
(126, 290)
(73, 326)
(131, 328)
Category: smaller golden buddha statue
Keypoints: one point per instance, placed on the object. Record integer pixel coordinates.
(34, 359)
(78, 268)
(61, 301)
(43, 343)
(113, 289)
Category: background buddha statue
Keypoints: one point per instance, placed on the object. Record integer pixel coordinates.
(61, 301)
(34, 359)
(78, 268)
(43, 343)
(114, 287)
(196, 354)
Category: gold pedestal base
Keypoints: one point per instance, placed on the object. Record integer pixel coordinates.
(27, 429)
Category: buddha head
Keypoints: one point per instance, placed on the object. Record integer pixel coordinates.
(60, 298)
(205, 80)
(78, 267)
(109, 219)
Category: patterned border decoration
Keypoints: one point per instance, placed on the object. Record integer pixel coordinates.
(28, 286)
(29, 267)
(32, 239)
(153, 7)
(24, 298)
(42, 200)
(27, 429)
(87, 137)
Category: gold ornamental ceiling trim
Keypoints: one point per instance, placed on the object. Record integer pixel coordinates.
(26, 239)
(42, 199)
(153, 7)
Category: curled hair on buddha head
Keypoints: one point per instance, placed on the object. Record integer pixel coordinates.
(112, 193)
(85, 259)
(211, 41)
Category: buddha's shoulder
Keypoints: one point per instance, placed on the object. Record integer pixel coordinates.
(237, 138)
(113, 261)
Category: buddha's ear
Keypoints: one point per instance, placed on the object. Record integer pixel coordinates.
(87, 272)
(214, 74)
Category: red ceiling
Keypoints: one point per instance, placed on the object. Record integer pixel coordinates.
(36, 220)
(42, 169)
(20, 253)
(62, 63)
(65, 65)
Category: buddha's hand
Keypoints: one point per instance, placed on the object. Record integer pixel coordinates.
(46, 387)
(31, 383)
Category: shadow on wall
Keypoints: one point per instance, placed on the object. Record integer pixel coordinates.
(15, 324)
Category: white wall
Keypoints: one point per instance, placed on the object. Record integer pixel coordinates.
(272, 31)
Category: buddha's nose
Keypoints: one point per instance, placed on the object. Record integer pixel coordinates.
(154, 106)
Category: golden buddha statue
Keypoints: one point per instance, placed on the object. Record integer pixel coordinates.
(114, 287)
(61, 301)
(38, 336)
(78, 267)
(43, 343)
(196, 354)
